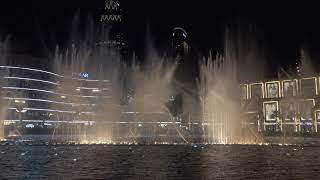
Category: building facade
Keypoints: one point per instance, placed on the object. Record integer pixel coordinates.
(43, 100)
(289, 106)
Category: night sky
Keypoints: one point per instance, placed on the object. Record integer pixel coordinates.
(36, 26)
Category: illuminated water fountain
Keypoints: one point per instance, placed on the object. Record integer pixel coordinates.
(98, 104)
(218, 94)
(127, 106)
(103, 98)
(3, 82)
(223, 119)
(146, 107)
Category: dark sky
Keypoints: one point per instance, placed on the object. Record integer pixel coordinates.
(35, 26)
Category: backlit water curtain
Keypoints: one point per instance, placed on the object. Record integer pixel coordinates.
(130, 101)
(97, 95)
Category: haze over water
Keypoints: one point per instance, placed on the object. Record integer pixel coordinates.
(152, 84)
(134, 133)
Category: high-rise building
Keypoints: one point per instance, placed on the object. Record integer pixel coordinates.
(179, 54)
(113, 35)
(179, 44)
(112, 29)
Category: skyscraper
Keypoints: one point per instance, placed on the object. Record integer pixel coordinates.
(112, 22)
(179, 54)
(113, 37)
(179, 44)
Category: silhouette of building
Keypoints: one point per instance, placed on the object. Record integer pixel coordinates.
(283, 106)
(179, 44)
(179, 54)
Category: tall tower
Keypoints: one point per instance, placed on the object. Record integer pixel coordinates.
(113, 42)
(179, 53)
(113, 33)
(179, 44)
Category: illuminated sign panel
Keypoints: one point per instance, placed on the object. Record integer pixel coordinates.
(270, 110)
(81, 75)
(273, 89)
(288, 110)
(289, 88)
(84, 75)
(256, 90)
(308, 86)
(306, 109)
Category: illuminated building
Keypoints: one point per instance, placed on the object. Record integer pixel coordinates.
(289, 106)
(179, 44)
(112, 21)
(40, 101)
(113, 35)
(179, 52)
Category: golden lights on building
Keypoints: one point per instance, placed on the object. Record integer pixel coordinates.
(290, 105)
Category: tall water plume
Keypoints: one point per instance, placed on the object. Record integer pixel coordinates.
(219, 99)
(103, 66)
(219, 91)
(305, 66)
(97, 100)
(132, 103)
(152, 90)
(4, 48)
(150, 83)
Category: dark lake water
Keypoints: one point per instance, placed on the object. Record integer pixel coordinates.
(159, 162)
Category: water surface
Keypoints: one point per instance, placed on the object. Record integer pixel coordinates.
(159, 162)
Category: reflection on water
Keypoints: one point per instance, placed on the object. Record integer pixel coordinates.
(159, 162)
